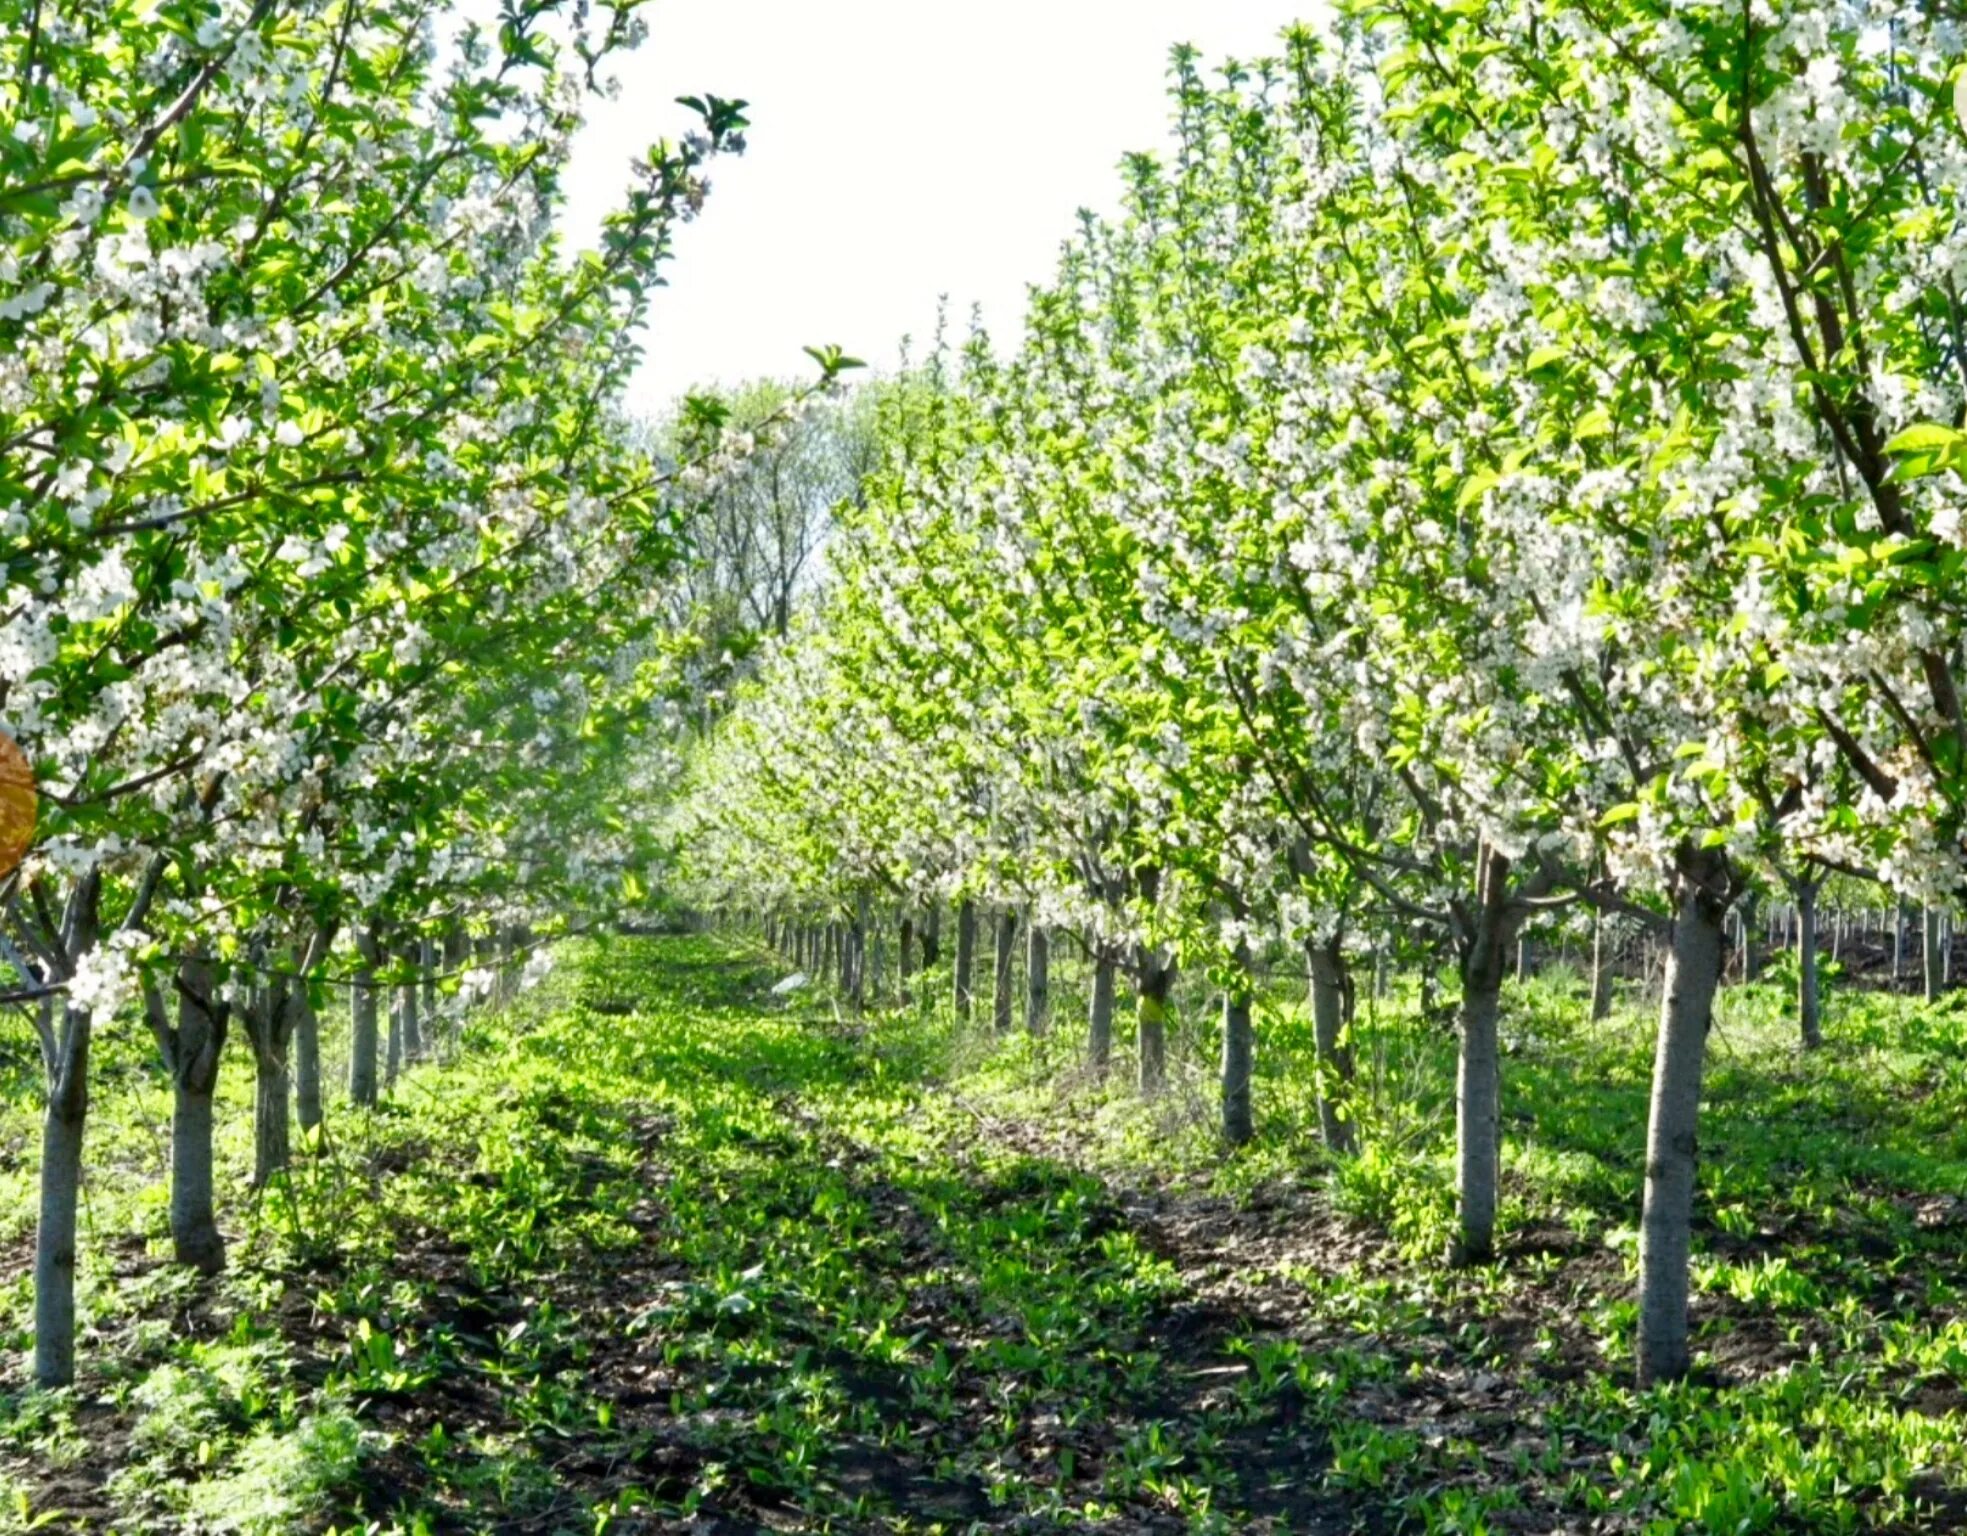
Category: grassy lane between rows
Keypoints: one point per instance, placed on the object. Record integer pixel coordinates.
(660, 1251)
(652, 1250)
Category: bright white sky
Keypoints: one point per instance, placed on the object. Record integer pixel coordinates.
(899, 150)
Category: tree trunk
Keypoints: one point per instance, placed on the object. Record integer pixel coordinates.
(1239, 1053)
(932, 938)
(453, 961)
(272, 1138)
(66, 1058)
(1478, 1111)
(195, 1237)
(61, 1189)
(966, 959)
(406, 1009)
(195, 1054)
(1666, 1221)
(1601, 967)
(1038, 980)
(1748, 927)
(905, 957)
(1333, 1064)
(1007, 942)
(393, 1061)
(857, 979)
(1099, 1021)
(307, 1060)
(1478, 1072)
(1929, 955)
(427, 967)
(362, 1009)
(1153, 980)
(1808, 1008)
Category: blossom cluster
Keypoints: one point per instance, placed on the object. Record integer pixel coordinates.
(1481, 439)
(334, 567)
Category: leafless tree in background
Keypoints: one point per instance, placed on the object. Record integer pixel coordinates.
(757, 544)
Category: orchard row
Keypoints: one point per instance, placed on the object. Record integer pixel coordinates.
(333, 624)
(1499, 470)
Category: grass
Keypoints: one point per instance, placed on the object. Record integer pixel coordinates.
(1829, 1384)
(659, 1249)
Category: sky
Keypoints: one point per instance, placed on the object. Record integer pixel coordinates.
(900, 150)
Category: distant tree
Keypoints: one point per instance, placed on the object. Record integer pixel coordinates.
(757, 539)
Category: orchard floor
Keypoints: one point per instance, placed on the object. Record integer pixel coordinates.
(662, 1252)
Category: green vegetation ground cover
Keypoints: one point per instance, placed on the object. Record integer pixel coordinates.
(659, 1251)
